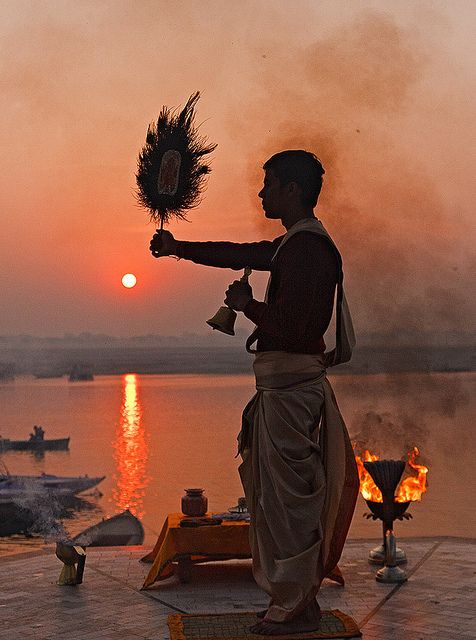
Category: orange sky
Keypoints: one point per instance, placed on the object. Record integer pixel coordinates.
(382, 92)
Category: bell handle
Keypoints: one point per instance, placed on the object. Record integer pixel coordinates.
(246, 275)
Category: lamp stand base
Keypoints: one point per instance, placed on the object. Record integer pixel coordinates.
(391, 574)
(377, 555)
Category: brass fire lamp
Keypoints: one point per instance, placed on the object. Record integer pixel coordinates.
(387, 474)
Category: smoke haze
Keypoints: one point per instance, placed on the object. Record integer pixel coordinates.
(381, 92)
(353, 98)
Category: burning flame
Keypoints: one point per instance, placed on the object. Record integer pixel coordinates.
(411, 488)
(368, 488)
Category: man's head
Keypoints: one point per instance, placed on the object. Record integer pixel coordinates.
(292, 177)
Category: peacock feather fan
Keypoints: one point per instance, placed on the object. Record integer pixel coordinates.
(171, 169)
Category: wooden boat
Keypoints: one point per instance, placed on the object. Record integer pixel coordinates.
(14, 487)
(56, 444)
(120, 530)
(14, 518)
(25, 515)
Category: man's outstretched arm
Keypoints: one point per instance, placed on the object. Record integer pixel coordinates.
(227, 255)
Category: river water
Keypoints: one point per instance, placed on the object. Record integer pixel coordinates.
(154, 435)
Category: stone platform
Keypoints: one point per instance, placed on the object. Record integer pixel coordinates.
(437, 602)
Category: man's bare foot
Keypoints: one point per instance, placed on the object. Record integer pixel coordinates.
(305, 622)
(336, 576)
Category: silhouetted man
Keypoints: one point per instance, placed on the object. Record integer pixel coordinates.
(298, 468)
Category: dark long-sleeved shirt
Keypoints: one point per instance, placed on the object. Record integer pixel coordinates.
(300, 299)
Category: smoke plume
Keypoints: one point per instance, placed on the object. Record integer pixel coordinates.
(356, 98)
(45, 510)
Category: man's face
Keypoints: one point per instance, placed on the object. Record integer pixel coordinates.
(271, 196)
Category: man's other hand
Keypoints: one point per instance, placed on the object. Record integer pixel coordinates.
(163, 244)
(238, 295)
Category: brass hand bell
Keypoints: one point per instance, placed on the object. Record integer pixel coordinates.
(224, 318)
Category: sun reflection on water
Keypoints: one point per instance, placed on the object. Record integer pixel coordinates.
(130, 450)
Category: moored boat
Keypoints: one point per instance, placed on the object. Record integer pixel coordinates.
(55, 444)
(14, 487)
(14, 518)
(120, 530)
(38, 514)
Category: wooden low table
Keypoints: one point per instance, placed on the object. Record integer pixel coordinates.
(187, 546)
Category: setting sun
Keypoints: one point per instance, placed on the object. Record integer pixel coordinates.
(129, 280)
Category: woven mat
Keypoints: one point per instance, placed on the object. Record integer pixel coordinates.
(235, 626)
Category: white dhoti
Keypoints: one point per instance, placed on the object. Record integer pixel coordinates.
(299, 476)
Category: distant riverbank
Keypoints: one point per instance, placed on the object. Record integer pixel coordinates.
(116, 360)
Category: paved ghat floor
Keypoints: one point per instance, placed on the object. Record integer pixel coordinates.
(437, 602)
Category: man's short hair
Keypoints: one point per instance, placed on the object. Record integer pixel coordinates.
(302, 167)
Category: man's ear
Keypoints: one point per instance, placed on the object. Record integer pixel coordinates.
(294, 188)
